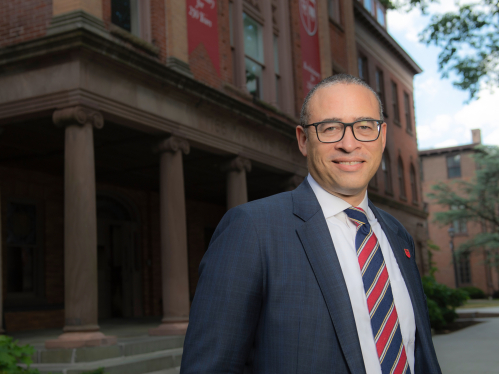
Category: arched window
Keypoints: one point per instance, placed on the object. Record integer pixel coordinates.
(386, 167)
(400, 168)
(414, 187)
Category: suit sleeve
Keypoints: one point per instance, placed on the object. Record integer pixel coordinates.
(226, 307)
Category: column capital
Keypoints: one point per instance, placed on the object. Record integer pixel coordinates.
(237, 164)
(172, 144)
(78, 115)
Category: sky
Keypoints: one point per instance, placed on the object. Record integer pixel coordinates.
(443, 118)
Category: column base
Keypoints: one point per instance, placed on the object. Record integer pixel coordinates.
(174, 326)
(81, 339)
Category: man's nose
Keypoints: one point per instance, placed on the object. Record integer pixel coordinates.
(348, 143)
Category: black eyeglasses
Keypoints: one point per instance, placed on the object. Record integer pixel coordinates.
(365, 130)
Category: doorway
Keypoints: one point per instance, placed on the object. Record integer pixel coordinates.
(119, 262)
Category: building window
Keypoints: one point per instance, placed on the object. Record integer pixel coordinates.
(464, 268)
(253, 53)
(277, 73)
(23, 251)
(380, 14)
(124, 13)
(414, 187)
(395, 104)
(363, 71)
(459, 225)
(407, 107)
(386, 167)
(380, 86)
(400, 169)
(454, 166)
(333, 7)
(368, 5)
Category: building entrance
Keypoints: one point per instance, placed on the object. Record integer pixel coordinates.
(118, 256)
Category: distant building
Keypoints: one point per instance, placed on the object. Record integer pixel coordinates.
(130, 127)
(449, 165)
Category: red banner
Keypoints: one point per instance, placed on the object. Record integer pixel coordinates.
(202, 27)
(311, 69)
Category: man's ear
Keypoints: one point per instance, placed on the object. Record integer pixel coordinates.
(383, 134)
(301, 136)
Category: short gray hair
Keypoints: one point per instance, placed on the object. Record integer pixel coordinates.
(331, 81)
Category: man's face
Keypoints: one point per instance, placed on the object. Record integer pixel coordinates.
(343, 168)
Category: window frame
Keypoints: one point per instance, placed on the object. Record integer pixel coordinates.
(395, 104)
(407, 112)
(334, 11)
(449, 168)
(401, 178)
(363, 67)
(37, 296)
(414, 185)
(464, 268)
(379, 79)
(387, 172)
(259, 86)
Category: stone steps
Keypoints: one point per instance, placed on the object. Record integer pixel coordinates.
(151, 355)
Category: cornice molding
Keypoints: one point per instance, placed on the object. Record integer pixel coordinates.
(89, 34)
(381, 34)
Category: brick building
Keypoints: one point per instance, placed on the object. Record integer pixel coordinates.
(450, 165)
(130, 127)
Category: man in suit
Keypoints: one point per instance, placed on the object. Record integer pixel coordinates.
(317, 280)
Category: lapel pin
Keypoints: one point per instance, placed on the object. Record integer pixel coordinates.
(407, 253)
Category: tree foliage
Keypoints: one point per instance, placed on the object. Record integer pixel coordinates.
(12, 354)
(468, 38)
(477, 201)
(442, 302)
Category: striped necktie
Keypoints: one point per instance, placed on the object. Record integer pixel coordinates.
(382, 310)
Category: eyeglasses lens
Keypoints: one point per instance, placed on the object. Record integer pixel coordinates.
(364, 131)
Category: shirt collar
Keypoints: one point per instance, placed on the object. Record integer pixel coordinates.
(332, 205)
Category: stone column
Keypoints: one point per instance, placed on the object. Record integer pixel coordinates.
(174, 260)
(237, 191)
(80, 231)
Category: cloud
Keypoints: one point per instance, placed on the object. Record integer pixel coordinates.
(447, 143)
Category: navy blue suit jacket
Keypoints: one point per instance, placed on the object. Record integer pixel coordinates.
(272, 298)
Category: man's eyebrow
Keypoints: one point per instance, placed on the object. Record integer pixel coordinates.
(337, 119)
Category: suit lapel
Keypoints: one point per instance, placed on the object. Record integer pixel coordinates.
(316, 240)
(409, 272)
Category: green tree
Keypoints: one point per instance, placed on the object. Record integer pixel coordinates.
(468, 38)
(477, 200)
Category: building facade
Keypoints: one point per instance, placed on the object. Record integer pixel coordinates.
(450, 165)
(130, 127)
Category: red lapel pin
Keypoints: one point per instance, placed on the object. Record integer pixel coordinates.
(407, 253)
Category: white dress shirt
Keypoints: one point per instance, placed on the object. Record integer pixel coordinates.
(343, 233)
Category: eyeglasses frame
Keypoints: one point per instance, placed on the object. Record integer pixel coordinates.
(378, 121)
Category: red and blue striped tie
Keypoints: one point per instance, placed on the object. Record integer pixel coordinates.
(382, 310)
